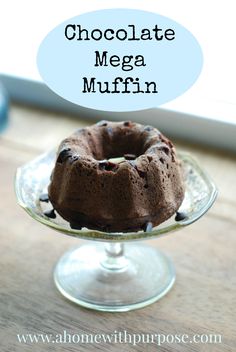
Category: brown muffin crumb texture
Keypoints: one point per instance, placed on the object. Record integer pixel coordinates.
(146, 187)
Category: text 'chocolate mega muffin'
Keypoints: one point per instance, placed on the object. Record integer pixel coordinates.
(116, 177)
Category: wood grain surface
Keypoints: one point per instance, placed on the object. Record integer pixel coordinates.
(203, 300)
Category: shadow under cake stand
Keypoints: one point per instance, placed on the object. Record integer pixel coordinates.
(113, 272)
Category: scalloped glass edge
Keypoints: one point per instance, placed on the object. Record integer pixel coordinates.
(119, 237)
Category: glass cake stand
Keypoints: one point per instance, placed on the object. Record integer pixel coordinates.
(113, 272)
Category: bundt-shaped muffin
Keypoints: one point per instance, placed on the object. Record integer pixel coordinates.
(144, 184)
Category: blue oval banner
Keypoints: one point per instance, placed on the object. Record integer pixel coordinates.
(119, 60)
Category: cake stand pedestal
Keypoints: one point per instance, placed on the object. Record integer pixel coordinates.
(114, 277)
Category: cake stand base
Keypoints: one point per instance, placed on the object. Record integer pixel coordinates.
(114, 277)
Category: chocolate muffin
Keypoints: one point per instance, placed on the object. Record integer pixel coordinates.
(116, 177)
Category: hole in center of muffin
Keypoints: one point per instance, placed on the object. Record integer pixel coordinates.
(120, 144)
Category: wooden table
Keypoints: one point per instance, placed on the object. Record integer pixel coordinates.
(203, 300)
